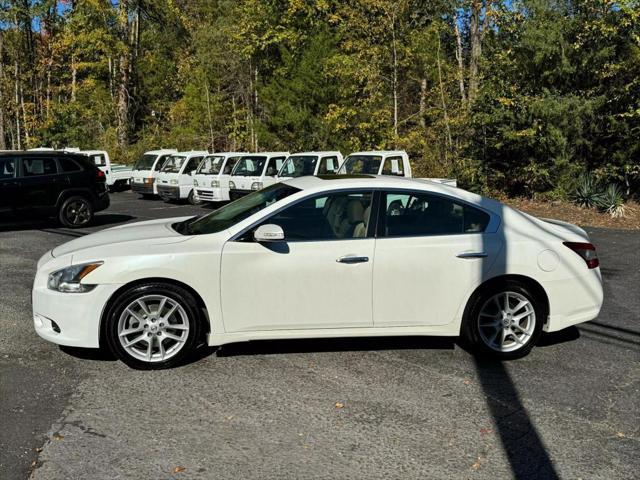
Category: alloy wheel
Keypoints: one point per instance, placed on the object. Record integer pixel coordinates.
(506, 321)
(77, 212)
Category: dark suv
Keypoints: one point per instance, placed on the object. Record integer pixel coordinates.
(52, 183)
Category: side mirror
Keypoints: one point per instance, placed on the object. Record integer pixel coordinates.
(269, 233)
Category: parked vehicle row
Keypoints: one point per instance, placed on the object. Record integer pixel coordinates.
(219, 177)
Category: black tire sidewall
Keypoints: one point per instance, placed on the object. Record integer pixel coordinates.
(470, 331)
(178, 294)
(192, 198)
(61, 212)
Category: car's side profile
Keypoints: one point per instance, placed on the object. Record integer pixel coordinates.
(58, 184)
(321, 257)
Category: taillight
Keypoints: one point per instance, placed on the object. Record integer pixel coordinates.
(100, 175)
(587, 251)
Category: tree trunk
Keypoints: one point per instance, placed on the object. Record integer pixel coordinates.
(476, 49)
(444, 105)
(125, 70)
(394, 78)
(211, 138)
(3, 143)
(74, 77)
(17, 110)
(460, 59)
(423, 102)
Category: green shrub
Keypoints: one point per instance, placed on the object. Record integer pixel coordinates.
(587, 192)
(611, 201)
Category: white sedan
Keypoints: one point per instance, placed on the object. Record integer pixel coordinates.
(338, 256)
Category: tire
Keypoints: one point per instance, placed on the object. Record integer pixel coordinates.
(146, 196)
(516, 329)
(192, 198)
(154, 342)
(75, 212)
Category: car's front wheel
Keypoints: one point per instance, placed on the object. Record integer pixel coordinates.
(193, 199)
(75, 212)
(504, 321)
(154, 326)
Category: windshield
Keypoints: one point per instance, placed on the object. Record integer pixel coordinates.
(145, 162)
(173, 164)
(211, 165)
(235, 212)
(299, 166)
(249, 167)
(361, 164)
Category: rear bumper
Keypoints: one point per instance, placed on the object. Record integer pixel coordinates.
(168, 192)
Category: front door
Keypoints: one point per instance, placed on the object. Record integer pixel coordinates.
(40, 182)
(430, 251)
(319, 277)
(8, 183)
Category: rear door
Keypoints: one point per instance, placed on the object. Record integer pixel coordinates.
(40, 182)
(430, 251)
(8, 183)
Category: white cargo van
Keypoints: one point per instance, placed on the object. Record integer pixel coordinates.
(175, 179)
(310, 163)
(211, 180)
(255, 171)
(145, 171)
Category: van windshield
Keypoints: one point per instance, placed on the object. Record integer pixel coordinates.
(249, 166)
(211, 165)
(173, 164)
(145, 162)
(299, 166)
(236, 211)
(362, 164)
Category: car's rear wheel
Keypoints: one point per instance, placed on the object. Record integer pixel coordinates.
(154, 326)
(504, 321)
(75, 212)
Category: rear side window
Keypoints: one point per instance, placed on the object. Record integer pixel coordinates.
(99, 160)
(7, 168)
(34, 167)
(68, 165)
(421, 214)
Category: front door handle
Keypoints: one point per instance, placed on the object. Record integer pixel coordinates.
(352, 259)
(472, 255)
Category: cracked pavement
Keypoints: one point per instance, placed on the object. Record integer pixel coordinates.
(345, 408)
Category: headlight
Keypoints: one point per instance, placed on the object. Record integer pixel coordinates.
(195, 183)
(232, 184)
(173, 182)
(68, 279)
(148, 180)
(215, 183)
(256, 185)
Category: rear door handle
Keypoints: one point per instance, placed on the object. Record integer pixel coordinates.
(352, 259)
(472, 255)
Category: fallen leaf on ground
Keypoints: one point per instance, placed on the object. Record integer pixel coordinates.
(38, 449)
(620, 434)
(485, 431)
(339, 405)
(57, 436)
(178, 469)
(467, 382)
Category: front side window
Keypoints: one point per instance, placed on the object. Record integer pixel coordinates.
(420, 214)
(7, 168)
(393, 166)
(299, 166)
(173, 164)
(328, 166)
(361, 164)
(160, 163)
(145, 162)
(249, 166)
(192, 165)
(33, 167)
(336, 216)
(228, 167)
(274, 165)
(211, 165)
(234, 212)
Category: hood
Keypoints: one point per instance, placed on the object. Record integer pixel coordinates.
(153, 232)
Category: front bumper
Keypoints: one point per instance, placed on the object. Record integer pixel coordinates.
(236, 193)
(169, 192)
(210, 194)
(142, 188)
(71, 319)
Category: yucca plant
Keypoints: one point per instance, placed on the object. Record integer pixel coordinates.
(587, 191)
(612, 201)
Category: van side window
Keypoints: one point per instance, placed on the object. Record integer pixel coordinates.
(229, 165)
(7, 168)
(328, 165)
(274, 166)
(193, 164)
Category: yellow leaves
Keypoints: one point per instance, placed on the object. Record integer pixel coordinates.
(178, 469)
(506, 102)
(57, 436)
(339, 405)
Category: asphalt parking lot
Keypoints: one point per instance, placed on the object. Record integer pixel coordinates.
(348, 408)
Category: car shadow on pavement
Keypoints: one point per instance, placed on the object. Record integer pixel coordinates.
(271, 347)
(97, 354)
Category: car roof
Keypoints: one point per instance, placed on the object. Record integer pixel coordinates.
(227, 154)
(323, 152)
(160, 151)
(266, 154)
(39, 153)
(191, 153)
(380, 152)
